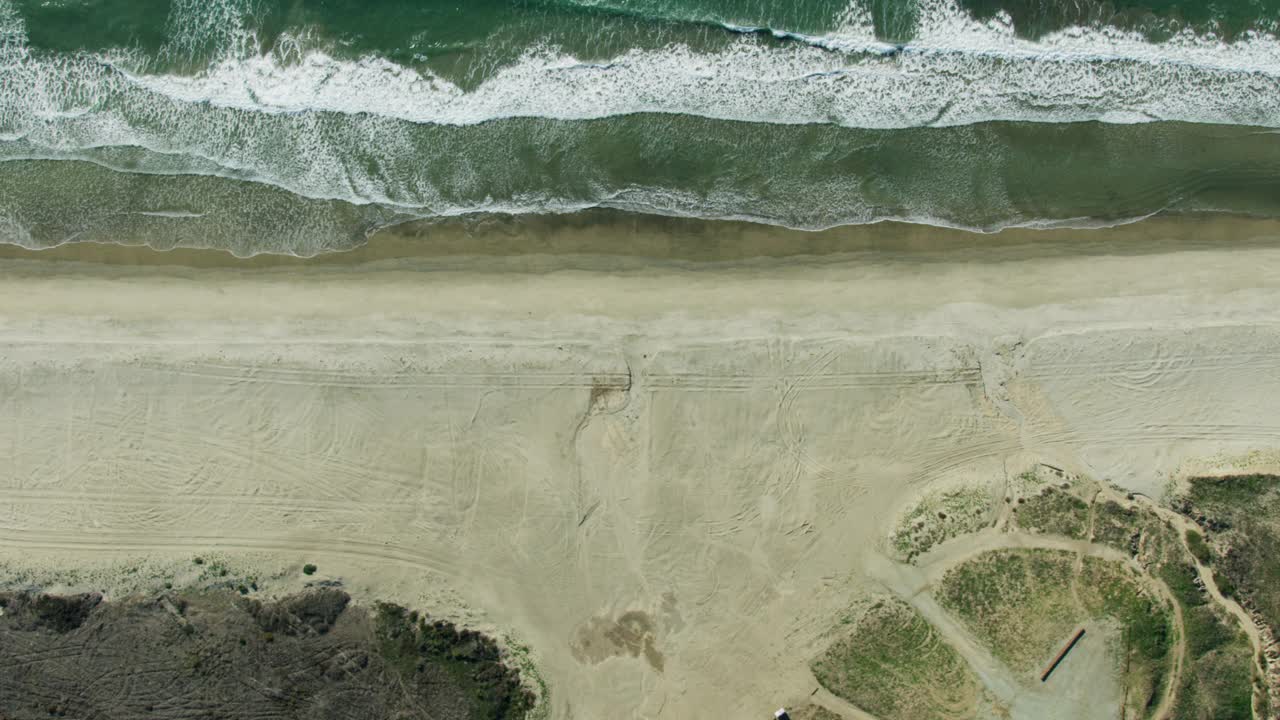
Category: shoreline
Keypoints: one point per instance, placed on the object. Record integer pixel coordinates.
(540, 242)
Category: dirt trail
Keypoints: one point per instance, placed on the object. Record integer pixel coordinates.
(1182, 524)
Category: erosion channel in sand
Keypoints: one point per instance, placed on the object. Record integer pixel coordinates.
(667, 479)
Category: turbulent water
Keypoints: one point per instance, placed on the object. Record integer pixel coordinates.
(302, 126)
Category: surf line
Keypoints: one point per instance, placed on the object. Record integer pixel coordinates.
(1062, 654)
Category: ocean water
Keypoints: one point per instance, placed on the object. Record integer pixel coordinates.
(304, 126)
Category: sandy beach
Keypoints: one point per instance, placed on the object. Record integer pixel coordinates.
(699, 452)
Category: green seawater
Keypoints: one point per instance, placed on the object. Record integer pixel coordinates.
(489, 30)
(302, 126)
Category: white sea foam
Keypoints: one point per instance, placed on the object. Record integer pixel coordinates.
(956, 71)
(171, 214)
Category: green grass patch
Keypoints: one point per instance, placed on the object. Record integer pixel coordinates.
(894, 665)
(1138, 531)
(1107, 589)
(1117, 526)
(1053, 511)
(1198, 547)
(938, 516)
(1217, 673)
(426, 656)
(1239, 491)
(1206, 630)
(1241, 515)
(1218, 686)
(1225, 584)
(1015, 601)
(1181, 579)
(1022, 604)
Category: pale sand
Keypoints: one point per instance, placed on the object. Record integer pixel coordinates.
(719, 446)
